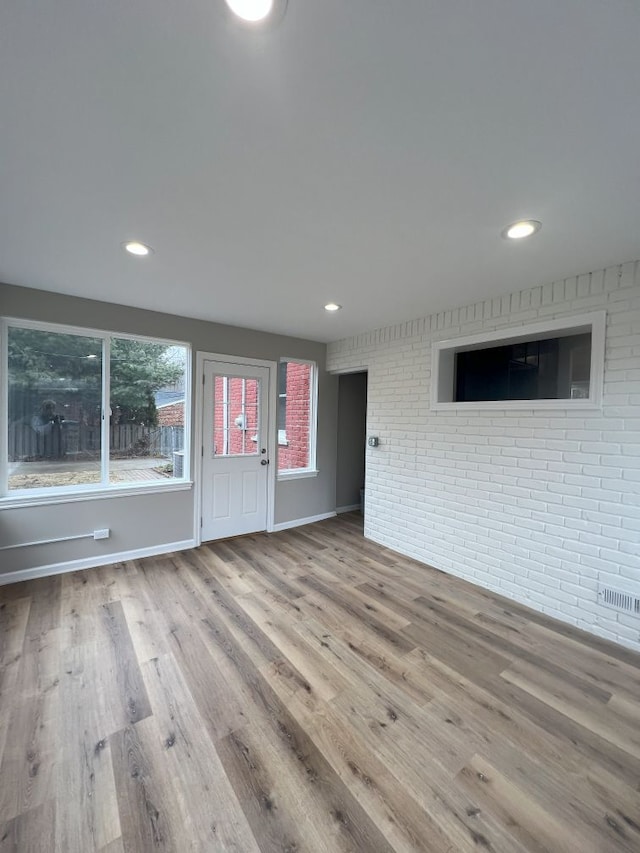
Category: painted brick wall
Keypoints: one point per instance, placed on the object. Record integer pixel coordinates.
(295, 453)
(537, 505)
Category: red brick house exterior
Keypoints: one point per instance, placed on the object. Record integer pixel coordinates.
(171, 415)
(236, 406)
(295, 453)
(240, 414)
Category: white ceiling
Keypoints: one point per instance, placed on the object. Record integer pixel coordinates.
(363, 151)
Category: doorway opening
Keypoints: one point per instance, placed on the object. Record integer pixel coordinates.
(352, 426)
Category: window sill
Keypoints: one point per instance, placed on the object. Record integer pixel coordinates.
(299, 474)
(506, 405)
(40, 499)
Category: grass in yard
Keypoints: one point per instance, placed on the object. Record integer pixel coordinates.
(57, 478)
(35, 480)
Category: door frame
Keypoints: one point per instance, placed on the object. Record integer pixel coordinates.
(272, 366)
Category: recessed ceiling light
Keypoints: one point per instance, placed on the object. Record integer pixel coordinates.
(134, 247)
(251, 10)
(332, 306)
(522, 228)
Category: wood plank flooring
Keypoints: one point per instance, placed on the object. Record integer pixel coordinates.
(307, 691)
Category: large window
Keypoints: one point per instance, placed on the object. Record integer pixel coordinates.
(296, 417)
(88, 410)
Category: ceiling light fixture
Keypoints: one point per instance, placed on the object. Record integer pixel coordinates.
(251, 10)
(332, 306)
(134, 247)
(522, 228)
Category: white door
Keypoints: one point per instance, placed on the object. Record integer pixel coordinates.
(235, 459)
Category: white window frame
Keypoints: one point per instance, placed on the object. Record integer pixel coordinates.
(282, 433)
(443, 363)
(104, 489)
(311, 469)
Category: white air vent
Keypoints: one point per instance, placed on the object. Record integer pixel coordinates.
(619, 600)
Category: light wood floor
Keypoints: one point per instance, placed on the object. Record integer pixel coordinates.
(307, 691)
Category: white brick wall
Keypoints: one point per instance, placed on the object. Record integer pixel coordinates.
(537, 505)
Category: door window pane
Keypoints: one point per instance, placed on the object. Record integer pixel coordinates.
(236, 416)
(147, 418)
(54, 423)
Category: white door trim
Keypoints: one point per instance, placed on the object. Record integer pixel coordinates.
(201, 357)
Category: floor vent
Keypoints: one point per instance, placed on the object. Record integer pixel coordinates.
(619, 600)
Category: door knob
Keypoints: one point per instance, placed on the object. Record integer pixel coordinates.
(264, 461)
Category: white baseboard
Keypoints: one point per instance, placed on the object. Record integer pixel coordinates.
(351, 508)
(299, 522)
(93, 562)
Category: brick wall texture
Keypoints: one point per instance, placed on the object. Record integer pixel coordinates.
(538, 505)
(240, 414)
(241, 397)
(171, 415)
(295, 453)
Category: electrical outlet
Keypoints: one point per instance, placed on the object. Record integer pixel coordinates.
(101, 534)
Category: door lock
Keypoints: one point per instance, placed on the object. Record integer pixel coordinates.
(264, 461)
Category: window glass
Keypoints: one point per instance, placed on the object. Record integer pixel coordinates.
(59, 394)
(147, 410)
(235, 416)
(282, 403)
(54, 409)
(549, 369)
(296, 404)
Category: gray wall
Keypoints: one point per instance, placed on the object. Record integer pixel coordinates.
(352, 420)
(147, 521)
